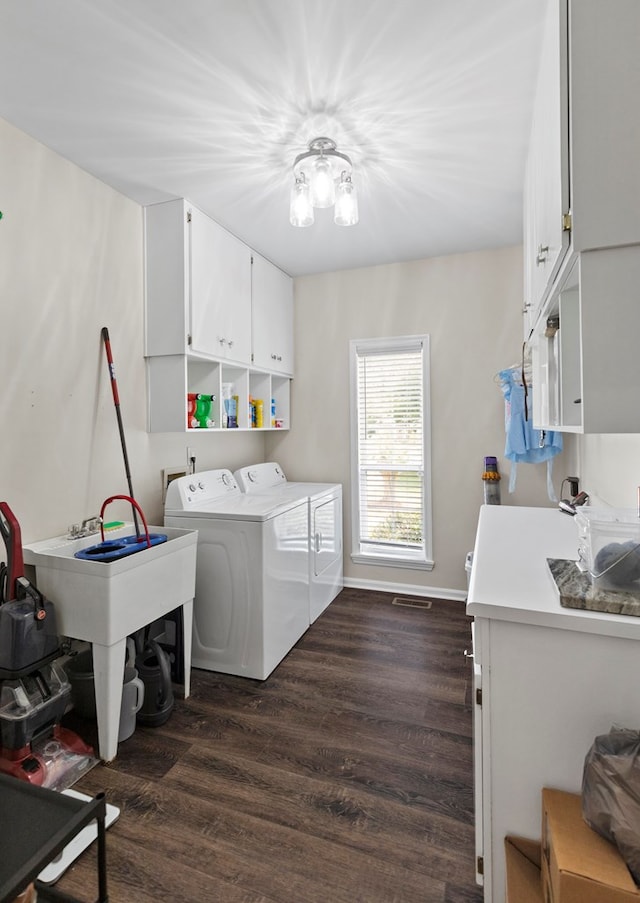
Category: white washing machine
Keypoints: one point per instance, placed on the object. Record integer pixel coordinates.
(252, 572)
(325, 526)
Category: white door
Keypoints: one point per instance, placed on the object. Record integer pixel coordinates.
(220, 291)
(548, 167)
(271, 317)
(325, 535)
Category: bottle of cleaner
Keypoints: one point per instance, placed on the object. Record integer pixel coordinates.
(491, 480)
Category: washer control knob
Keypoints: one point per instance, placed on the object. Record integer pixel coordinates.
(200, 485)
(192, 487)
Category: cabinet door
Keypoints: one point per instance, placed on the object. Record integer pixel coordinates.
(271, 317)
(219, 291)
(547, 180)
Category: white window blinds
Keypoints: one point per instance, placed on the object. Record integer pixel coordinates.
(391, 445)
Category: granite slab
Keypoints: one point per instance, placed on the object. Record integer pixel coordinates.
(576, 591)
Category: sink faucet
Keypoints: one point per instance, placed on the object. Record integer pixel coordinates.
(88, 526)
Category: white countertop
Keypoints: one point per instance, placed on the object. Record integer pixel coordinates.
(510, 580)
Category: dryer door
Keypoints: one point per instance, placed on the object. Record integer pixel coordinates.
(326, 534)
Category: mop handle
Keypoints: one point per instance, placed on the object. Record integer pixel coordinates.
(116, 402)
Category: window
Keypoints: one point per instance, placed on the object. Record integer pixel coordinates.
(390, 443)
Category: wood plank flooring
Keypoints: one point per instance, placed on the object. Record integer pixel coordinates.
(346, 776)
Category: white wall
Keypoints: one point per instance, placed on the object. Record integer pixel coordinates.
(70, 263)
(471, 305)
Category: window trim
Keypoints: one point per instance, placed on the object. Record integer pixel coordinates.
(422, 559)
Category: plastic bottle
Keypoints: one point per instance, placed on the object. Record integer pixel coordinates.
(259, 406)
(491, 480)
(203, 410)
(273, 413)
(192, 422)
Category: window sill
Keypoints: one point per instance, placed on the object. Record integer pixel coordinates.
(391, 561)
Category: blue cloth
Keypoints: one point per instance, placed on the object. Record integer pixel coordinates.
(524, 444)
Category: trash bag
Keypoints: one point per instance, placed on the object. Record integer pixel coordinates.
(611, 792)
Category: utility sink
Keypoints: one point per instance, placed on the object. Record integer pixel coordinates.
(104, 602)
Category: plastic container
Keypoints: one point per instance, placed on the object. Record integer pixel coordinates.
(24, 639)
(203, 418)
(609, 547)
(259, 403)
(80, 673)
(31, 704)
(491, 481)
(83, 694)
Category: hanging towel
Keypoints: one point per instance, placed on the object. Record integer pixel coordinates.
(524, 444)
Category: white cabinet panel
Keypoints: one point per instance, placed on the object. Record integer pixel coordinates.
(547, 179)
(220, 291)
(271, 317)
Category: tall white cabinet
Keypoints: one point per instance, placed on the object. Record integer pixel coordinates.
(582, 196)
(219, 320)
(547, 679)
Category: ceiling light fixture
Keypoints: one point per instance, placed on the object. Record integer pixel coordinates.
(323, 178)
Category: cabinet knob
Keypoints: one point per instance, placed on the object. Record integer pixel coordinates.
(543, 253)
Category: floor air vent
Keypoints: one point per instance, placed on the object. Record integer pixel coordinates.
(411, 603)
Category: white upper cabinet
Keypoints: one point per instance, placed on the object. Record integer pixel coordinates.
(582, 184)
(271, 317)
(202, 292)
(546, 191)
(198, 285)
(219, 291)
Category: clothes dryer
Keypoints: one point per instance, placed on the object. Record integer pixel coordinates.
(325, 526)
(252, 572)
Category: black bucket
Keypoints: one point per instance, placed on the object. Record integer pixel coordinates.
(79, 670)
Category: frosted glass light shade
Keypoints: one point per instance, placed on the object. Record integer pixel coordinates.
(323, 191)
(346, 209)
(300, 210)
(323, 178)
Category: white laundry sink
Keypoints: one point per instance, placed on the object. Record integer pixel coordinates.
(104, 602)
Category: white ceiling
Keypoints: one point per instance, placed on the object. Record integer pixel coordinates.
(212, 99)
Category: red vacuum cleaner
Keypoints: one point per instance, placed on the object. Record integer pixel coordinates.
(34, 690)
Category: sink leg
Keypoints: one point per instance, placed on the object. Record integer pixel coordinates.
(108, 669)
(187, 628)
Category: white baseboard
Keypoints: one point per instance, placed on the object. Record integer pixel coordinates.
(410, 589)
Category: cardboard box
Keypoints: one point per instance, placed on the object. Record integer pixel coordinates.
(524, 878)
(579, 866)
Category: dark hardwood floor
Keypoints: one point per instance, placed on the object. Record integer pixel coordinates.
(346, 776)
